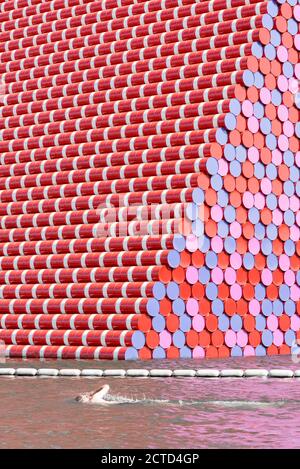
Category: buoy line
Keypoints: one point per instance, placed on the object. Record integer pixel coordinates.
(153, 373)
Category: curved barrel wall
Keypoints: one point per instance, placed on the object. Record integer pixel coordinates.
(149, 178)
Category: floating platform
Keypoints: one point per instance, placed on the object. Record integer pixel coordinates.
(152, 373)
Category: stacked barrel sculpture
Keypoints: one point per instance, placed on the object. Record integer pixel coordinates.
(149, 178)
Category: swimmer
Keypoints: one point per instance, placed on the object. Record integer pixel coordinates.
(95, 397)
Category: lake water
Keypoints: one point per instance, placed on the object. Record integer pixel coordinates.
(152, 413)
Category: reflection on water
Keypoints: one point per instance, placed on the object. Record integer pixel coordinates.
(152, 413)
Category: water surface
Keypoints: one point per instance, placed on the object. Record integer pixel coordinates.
(152, 413)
